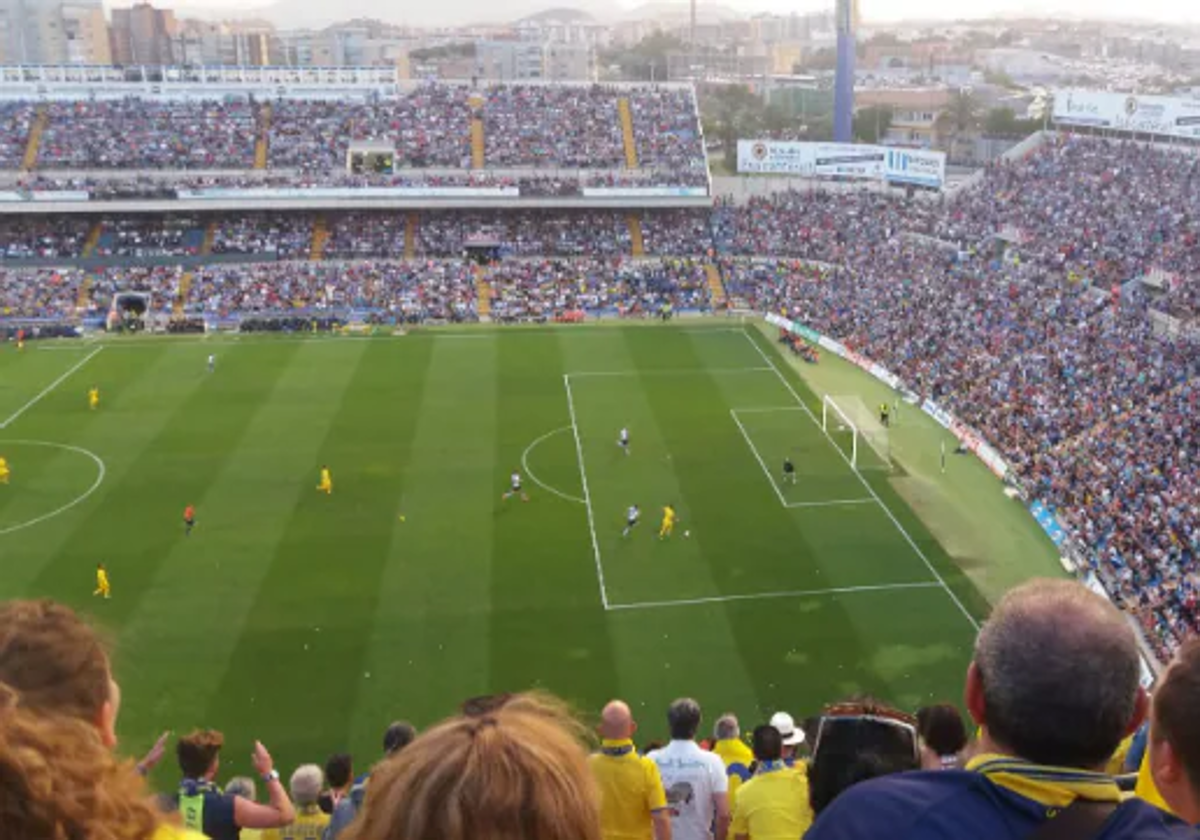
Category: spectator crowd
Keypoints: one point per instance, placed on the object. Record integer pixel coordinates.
(1052, 692)
(1016, 306)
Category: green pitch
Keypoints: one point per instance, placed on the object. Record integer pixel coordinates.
(310, 622)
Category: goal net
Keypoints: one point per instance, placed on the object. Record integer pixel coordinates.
(857, 431)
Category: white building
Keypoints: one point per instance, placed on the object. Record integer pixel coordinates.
(53, 32)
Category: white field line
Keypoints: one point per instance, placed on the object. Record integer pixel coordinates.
(831, 503)
(50, 388)
(757, 457)
(101, 471)
(529, 471)
(768, 409)
(587, 496)
(669, 372)
(870, 490)
(762, 596)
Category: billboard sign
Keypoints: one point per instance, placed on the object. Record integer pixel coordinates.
(1168, 116)
(920, 167)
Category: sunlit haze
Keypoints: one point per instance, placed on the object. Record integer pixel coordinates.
(1168, 11)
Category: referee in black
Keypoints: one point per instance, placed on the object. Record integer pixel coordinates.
(789, 470)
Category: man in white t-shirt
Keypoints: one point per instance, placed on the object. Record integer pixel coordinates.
(695, 781)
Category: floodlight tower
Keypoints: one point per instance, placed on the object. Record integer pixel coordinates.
(843, 84)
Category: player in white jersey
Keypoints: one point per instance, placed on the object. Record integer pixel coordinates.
(623, 440)
(631, 519)
(515, 488)
(212, 362)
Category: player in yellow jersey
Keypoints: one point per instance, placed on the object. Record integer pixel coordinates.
(102, 587)
(4, 471)
(93, 398)
(326, 485)
(668, 523)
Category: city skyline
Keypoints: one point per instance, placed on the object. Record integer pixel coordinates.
(1166, 12)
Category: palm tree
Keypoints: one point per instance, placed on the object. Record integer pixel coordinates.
(961, 115)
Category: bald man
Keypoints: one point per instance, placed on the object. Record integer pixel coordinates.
(633, 805)
(1053, 686)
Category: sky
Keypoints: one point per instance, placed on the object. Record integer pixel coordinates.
(1170, 11)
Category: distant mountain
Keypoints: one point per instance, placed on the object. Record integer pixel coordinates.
(668, 11)
(304, 14)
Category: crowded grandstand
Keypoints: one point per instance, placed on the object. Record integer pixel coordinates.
(1047, 313)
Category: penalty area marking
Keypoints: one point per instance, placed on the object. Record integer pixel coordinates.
(529, 472)
(101, 470)
(760, 596)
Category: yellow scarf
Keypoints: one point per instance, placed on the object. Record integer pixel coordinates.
(1055, 787)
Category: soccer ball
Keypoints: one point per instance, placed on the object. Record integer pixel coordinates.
(687, 533)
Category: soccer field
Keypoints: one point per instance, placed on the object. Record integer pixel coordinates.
(311, 621)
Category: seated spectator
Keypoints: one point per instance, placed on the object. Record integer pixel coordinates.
(1054, 688)
(514, 772)
(399, 735)
(943, 737)
(1174, 749)
(58, 779)
(310, 822)
(633, 804)
(774, 803)
(202, 805)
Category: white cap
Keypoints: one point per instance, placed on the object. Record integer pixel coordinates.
(787, 728)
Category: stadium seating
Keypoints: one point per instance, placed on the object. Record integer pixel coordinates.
(1086, 401)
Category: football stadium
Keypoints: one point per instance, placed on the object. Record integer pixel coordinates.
(337, 401)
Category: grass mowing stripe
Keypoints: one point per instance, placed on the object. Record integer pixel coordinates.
(662, 656)
(189, 443)
(428, 647)
(547, 627)
(790, 384)
(189, 624)
(153, 386)
(316, 613)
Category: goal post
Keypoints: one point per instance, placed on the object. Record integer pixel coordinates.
(857, 431)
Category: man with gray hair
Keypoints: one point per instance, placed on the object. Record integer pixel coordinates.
(1053, 686)
(729, 747)
(310, 822)
(695, 780)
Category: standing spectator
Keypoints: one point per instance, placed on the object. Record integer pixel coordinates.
(793, 736)
(943, 737)
(1054, 688)
(733, 751)
(396, 737)
(58, 779)
(857, 740)
(774, 804)
(633, 805)
(244, 787)
(339, 780)
(514, 772)
(57, 663)
(697, 788)
(399, 735)
(206, 809)
(1174, 748)
(305, 786)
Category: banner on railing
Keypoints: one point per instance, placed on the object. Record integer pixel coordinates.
(920, 167)
(1169, 116)
(223, 193)
(1049, 523)
(644, 192)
